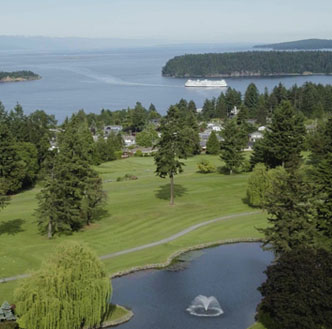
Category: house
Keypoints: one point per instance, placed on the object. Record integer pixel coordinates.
(129, 140)
(253, 137)
(214, 126)
(234, 112)
(199, 110)
(261, 128)
(112, 129)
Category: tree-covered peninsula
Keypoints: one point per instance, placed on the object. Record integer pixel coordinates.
(306, 44)
(18, 76)
(251, 63)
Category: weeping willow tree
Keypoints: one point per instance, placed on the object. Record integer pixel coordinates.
(70, 291)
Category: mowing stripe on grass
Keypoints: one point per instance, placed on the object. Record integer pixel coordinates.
(153, 244)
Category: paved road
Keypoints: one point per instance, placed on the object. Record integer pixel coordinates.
(153, 244)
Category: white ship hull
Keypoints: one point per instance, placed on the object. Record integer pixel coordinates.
(206, 83)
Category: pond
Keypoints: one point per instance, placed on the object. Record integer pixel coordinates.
(231, 273)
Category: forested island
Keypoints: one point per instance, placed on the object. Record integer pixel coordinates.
(250, 63)
(18, 76)
(299, 44)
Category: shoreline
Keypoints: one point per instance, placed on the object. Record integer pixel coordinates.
(169, 260)
(178, 253)
(9, 79)
(239, 75)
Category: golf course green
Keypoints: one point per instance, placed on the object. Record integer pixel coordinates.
(137, 212)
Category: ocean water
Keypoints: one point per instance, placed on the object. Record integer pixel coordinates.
(113, 79)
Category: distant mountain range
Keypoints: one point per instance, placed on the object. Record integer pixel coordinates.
(300, 44)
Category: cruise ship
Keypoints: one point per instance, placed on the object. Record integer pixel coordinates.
(206, 83)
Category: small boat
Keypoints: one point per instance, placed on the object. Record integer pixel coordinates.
(206, 83)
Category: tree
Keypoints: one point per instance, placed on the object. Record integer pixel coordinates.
(213, 145)
(258, 185)
(148, 137)
(322, 178)
(283, 140)
(232, 145)
(4, 199)
(94, 196)
(172, 146)
(11, 168)
(70, 291)
(60, 200)
(297, 292)
(291, 211)
(251, 99)
(205, 167)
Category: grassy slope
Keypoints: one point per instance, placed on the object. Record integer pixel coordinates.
(138, 213)
(257, 325)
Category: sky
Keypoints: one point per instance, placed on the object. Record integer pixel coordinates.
(211, 21)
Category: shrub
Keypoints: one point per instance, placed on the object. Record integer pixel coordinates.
(138, 153)
(118, 154)
(206, 167)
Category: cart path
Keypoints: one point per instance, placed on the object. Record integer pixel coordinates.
(153, 244)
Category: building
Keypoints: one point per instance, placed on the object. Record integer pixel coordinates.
(234, 112)
(129, 140)
(255, 136)
(112, 129)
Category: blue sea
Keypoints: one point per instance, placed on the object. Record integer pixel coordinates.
(113, 79)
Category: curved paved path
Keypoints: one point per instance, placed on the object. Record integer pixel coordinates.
(153, 244)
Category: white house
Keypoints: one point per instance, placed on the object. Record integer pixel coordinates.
(114, 129)
(129, 140)
(261, 128)
(253, 137)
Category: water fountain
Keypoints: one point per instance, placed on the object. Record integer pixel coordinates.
(205, 306)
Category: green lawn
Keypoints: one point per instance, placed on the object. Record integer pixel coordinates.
(138, 213)
(257, 325)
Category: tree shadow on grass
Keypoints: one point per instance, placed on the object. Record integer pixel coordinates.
(11, 227)
(100, 214)
(164, 191)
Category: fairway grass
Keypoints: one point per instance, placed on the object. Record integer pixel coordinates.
(138, 212)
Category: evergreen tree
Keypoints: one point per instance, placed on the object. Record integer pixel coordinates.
(283, 141)
(232, 145)
(70, 291)
(297, 292)
(60, 200)
(322, 177)
(11, 167)
(172, 146)
(291, 210)
(251, 99)
(213, 145)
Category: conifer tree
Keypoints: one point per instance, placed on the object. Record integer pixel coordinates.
(251, 99)
(213, 145)
(70, 291)
(322, 177)
(297, 292)
(283, 140)
(172, 146)
(232, 145)
(11, 168)
(291, 212)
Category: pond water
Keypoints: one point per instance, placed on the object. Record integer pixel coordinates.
(231, 273)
